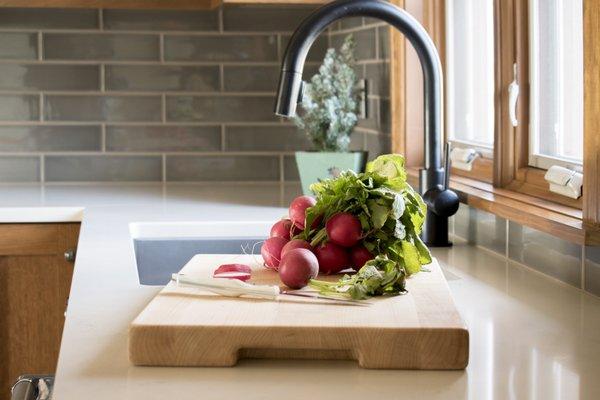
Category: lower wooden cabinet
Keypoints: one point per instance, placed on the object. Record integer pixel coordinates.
(35, 279)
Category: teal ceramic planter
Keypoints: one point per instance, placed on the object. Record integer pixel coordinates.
(314, 166)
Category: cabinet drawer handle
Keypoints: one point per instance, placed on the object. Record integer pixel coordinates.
(70, 255)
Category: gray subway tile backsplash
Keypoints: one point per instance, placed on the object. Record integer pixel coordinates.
(101, 46)
(49, 138)
(264, 18)
(265, 138)
(481, 228)
(49, 77)
(162, 78)
(251, 78)
(222, 168)
(220, 47)
(383, 34)
(48, 18)
(366, 43)
(220, 108)
(545, 253)
(102, 108)
(115, 86)
(19, 169)
(18, 45)
(161, 20)
(163, 138)
(14, 107)
(103, 168)
(377, 144)
(377, 76)
(290, 169)
(351, 22)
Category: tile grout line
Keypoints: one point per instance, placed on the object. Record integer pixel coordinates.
(147, 32)
(223, 138)
(41, 108)
(66, 62)
(161, 48)
(222, 77)
(377, 44)
(101, 19)
(102, 78)
(42, 168)
(163, 108)
(40, 46)
(103, 138)
(164, 167)
(281, 168)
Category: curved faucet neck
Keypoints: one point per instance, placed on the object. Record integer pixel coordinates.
(317, 22)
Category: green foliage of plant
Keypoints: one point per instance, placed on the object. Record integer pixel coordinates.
(391, 214)
(331, 100)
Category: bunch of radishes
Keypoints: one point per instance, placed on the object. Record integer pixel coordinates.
(298, 261)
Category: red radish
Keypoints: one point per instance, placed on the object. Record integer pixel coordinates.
(271, 251)
(359, 255)
(282, 229)
(298, 267)
(298, 208)
(295, 244)
(332, 258)
(233, 271)
(344, 229)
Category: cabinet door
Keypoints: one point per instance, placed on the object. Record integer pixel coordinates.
(35, 279)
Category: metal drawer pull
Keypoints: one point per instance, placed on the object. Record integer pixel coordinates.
(70, 255)
(32, 387)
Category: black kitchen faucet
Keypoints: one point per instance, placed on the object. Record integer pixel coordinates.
(433, 179)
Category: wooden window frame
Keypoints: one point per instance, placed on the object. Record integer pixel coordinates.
(511, 144)
(509, 187)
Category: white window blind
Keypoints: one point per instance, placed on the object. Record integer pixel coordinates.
(470, 72)
(556, 69)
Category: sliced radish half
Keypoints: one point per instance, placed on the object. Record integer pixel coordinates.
(242, 272)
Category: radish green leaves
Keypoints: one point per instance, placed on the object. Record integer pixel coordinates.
(391, 214)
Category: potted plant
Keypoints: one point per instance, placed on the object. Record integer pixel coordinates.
(329, 113)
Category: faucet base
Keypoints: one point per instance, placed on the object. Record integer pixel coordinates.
(435, 231)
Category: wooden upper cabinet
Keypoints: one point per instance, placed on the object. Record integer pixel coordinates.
(148, 4)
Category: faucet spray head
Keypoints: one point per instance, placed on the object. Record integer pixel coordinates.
(289, 93)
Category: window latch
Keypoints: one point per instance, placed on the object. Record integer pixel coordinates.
(513, 96)
(564, 181)
(463, 158)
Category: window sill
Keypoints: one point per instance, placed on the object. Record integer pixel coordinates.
(556, 219)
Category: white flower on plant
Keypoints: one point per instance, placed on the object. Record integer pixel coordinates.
(330, 101)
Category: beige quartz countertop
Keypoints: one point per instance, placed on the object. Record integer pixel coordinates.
(531, 337)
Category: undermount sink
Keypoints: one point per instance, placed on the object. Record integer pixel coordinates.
(162, 249)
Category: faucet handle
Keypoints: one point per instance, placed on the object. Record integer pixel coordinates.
(447, 165)
(441, 199)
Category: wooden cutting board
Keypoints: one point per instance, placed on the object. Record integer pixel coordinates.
(191, 327)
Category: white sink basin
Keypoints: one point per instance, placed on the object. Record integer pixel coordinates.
(164, 248)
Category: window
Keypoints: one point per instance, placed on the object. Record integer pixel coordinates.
(556, 83)
(470, 73)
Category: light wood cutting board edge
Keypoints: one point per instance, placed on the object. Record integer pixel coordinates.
(415, 348)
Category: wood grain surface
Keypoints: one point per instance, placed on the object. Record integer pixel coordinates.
(35, 281)
(190, 327)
